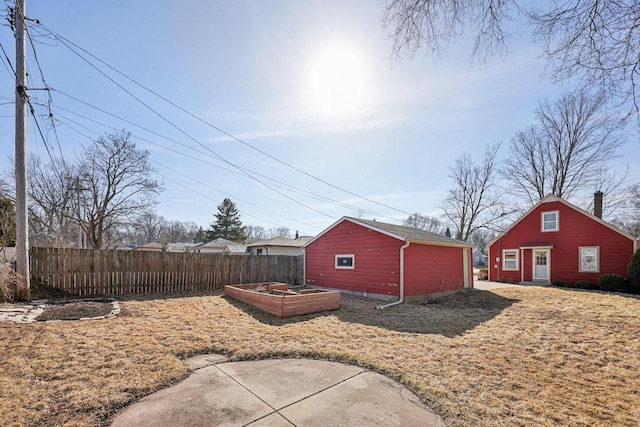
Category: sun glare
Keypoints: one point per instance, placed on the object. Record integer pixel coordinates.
(337, 82)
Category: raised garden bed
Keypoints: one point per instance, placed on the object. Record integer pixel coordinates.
(277, 299)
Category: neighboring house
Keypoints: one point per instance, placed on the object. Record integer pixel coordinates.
(556, 240)
(279, 246)
(235, 250)
(479, 259)
(387, 261)
(152, 247)
(213, 247)
(181, 246)
(124, 247)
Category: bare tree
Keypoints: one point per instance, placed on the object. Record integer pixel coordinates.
(178, 231)
(568, 151)
(52, 203)
(438, 23)
(481, 238)
(629, 217)
(473, 202)
(150, 227)
(117, 178)
(278, 232)
(597, 42)
(255, 232)
(424, 222)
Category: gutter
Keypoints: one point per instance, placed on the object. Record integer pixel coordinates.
(401, 300)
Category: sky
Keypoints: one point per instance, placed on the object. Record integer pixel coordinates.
(318, 119)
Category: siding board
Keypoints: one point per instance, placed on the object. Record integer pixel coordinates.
(428, 268)
(377, 260)
(431, 269)
(575, 230)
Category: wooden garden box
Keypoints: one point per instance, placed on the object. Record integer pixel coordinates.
(277, 299)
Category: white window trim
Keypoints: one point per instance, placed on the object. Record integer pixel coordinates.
(580, 269)
(353, 261)
(504, 259)
(557, 221)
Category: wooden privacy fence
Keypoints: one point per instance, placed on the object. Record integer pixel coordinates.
(114, 272)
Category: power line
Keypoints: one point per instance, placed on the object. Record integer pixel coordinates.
(222, 192)
(209, 198)
(283, 185)
(193, 139)
(244, 170)
(47, 89)
(186, 176)
(66, 42)
(8, 64)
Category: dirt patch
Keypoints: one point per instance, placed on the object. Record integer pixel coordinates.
(75, 310)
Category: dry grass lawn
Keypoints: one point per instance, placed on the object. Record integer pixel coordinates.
(513, 356)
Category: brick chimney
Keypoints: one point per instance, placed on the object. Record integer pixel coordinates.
(597, 204)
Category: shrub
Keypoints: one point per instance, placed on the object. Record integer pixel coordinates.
(9, 283)
(560, 284)
(634, 273)
(611, 282)
(483, 274)
(586, 284)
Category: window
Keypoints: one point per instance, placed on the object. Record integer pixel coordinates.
(510, 259)
(345, 261)
(259, 251)
(550, 221)
(589, 259)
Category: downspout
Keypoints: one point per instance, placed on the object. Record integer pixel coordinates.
(304, 266)
(401, 300)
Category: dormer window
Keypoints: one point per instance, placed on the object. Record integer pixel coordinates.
(550, 221)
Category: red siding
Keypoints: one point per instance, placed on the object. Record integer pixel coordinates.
(430, 269)
(575, 230)
(377, 260)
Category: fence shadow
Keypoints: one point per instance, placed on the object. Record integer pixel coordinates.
(450, 316)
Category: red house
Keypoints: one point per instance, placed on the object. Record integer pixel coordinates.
(386, 261)
(556, 240)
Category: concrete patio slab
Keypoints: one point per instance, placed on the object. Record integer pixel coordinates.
(280, 393)
(366, 399)
(207, 398)
(281, 382)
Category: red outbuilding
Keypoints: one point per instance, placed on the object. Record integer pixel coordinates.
(556, 240)
(387, 261)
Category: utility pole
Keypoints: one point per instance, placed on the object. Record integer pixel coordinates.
(82, 237)
(22, 223)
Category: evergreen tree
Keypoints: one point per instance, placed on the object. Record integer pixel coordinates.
(634, 273)
(7, 223)
(201, 236)
(228, 224)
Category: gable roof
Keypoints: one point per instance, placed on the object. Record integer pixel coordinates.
(149, 246)
(553, 198)
(240, 249)
(400, 232)
(181, 246)
(278, 241)
(218, 243)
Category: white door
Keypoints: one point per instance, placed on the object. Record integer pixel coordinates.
(541, 264)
